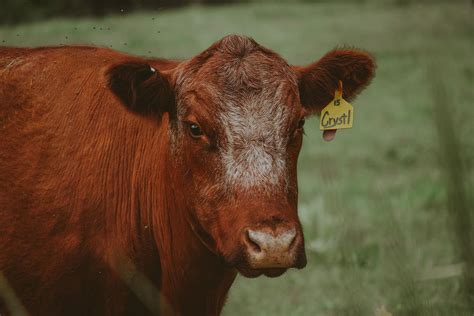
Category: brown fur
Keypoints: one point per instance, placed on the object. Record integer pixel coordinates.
(101, 186)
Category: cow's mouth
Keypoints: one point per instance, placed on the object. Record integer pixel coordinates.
(269, 272)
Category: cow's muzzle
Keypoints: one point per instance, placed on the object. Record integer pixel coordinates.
(271, 251)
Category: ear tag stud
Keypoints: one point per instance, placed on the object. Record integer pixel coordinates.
(338, 114)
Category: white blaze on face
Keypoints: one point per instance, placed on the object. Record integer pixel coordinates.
(254, 154)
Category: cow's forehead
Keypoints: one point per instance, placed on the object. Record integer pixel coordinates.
(237, 66)
(254, 153)
(241, 78)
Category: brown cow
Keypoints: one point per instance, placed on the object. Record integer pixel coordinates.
(134, 186)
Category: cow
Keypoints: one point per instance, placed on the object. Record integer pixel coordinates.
(139, 186)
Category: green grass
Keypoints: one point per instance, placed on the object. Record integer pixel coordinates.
(373, 201)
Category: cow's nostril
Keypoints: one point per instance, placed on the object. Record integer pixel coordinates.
(252, 243)
(288, 237)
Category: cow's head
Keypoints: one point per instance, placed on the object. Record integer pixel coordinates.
(236, 115)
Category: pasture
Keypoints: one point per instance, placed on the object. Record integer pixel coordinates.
(373, 202)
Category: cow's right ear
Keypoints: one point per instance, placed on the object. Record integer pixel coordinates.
(141, 88)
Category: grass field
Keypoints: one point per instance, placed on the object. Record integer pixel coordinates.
(374, 202)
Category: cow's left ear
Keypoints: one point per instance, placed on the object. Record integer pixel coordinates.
(141, 88)
(318, 81)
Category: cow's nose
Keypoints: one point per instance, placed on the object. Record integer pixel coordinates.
(268, 248)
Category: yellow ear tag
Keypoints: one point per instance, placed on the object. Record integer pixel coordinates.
(338, 114)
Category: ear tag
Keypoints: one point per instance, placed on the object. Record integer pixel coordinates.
(338, 114)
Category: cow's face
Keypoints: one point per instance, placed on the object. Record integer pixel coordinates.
(236, 130)
(240, 127)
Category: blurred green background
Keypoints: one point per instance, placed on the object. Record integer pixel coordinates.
(387, 206)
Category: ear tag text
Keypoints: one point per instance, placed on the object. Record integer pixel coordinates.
(338, 114)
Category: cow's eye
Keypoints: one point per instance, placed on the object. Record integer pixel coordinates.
(195, 130)
(301, 123)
